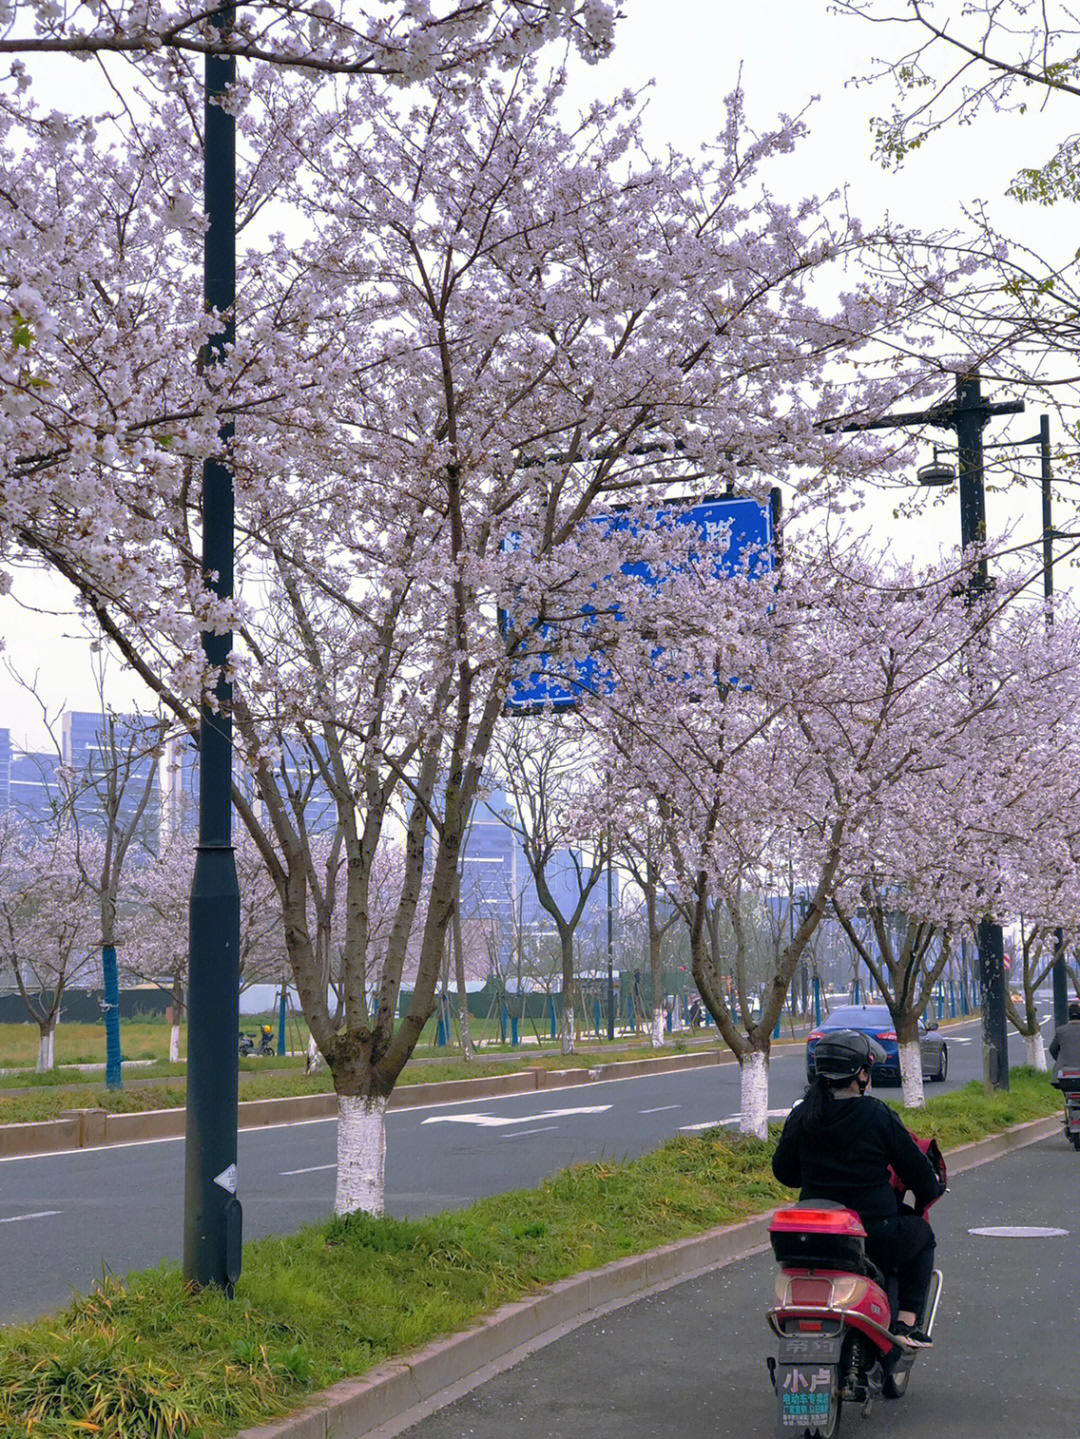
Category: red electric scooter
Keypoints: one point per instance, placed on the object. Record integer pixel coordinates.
(1068, 1081)
(832, 1317)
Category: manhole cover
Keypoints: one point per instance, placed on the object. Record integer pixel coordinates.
(1020, 1231)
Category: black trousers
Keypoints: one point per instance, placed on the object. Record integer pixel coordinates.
(904, 1246)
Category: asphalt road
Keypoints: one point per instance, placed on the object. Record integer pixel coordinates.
(690, 1362)
(66, 1219)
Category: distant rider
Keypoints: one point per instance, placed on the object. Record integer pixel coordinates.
(838, 1143)
(1065, 1045)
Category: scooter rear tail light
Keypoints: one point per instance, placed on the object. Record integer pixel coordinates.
(817, 1221)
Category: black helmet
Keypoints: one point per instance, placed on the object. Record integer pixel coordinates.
(841, 1055)
(1074, 1010)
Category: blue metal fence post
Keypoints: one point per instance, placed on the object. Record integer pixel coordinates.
(817, 1001)
(554, 1019)
(503, 1016)
(111, 974)
(282, 1011)
(514, 1029)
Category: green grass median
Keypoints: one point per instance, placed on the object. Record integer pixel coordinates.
(26, 1098)
(145, 1359)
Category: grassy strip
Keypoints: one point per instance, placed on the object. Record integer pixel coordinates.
(145, 1358)
(47, 1096)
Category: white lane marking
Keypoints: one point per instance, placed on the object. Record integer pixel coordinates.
(314, 1169)
(521, 1133)
(1020, 1231)
(38, 1214)
(660, 1109)
(497, 1121)
(733, 1119)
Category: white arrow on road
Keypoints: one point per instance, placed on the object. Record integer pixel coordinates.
(497, 1121)
(732, 1119)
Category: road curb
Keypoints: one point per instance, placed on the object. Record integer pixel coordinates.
(402, 1392)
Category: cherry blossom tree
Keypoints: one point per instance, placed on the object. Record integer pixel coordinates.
(495, 327)
(879, 731)
(399, 42)
(643, 853)
(46, 923)
(541, 766)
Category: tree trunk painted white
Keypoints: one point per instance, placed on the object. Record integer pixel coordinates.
(911, 1074)
(361, 1155)
(568, 1029)
(659, 1016)
(174, 1043)
(314, 1061)
(46, 1058)
(1036, 1051)
(754, 1094)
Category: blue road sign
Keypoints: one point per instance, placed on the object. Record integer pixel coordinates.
(546, 682)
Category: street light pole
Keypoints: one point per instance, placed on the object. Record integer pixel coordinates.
(212, 1217)
(970, 414)
(967, 415)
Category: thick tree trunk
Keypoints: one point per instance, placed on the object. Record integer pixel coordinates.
(361, 1155)
(658, 1017)
(911, 1074)
(177, 1010)
(567, 1024)
(46, 1058)
(567, 993)
(1036, 1051)
(754, 1093)
(462, 988)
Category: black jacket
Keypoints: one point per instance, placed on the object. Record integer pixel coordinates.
(846, 1157)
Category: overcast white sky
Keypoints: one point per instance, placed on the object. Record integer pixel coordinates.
(787, 52)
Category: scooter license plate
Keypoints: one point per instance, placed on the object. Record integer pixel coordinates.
(807, 1393)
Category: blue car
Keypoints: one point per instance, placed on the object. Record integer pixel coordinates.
(875, 1020)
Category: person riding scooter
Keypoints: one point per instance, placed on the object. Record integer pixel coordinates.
(838, 1143)
(1065, 1045)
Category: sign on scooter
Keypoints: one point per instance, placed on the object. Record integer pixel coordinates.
(807, 1393)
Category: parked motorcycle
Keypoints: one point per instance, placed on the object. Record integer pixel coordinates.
(260, 1047)
(833, 1314)
(1069, 1082)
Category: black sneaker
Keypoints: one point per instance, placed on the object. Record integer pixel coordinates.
(911, 1335)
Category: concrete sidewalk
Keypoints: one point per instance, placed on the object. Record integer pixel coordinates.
(401, 1394)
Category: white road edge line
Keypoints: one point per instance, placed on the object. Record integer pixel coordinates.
(314, 1169)
(660, 1109)
(38, 1214)
(521, 1133)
